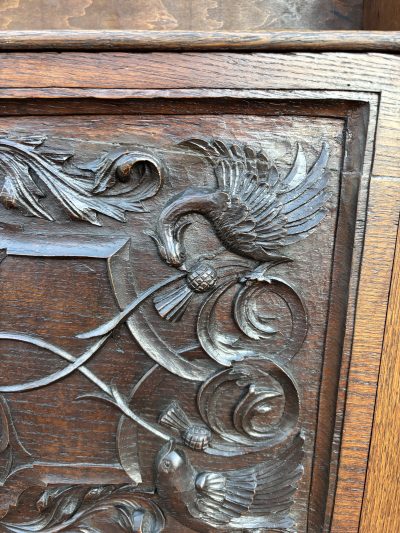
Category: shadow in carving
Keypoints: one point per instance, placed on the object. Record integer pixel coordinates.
(12, 452)
(255, 497)
(262, 401)
(112, 185)
(255, 212)
(92, 509)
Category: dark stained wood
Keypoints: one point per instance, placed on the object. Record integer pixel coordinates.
(183, 15)
(186, 41)
(138, 128)
(219, 71)
(381, 15)
(146, 104)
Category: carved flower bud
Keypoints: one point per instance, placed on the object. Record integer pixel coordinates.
(197, 437)
(202, 278)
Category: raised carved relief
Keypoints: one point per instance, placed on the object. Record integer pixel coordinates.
(247, 401)
(92, 509)
(262, 401)
(12, 452)
(112, 185)
(249, 498)
(254, 210)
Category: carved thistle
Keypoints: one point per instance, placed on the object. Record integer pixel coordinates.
(247, 403)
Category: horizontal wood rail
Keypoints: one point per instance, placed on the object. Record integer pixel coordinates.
(200, 41)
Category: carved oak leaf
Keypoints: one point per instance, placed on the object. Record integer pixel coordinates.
(113, 185)
(78, 508)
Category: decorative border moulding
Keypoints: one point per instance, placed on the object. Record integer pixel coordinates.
(184, 41)
(366, 92)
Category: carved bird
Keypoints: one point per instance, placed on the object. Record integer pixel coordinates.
(255, 497)
(254, 211)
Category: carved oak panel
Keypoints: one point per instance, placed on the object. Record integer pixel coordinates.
(174, 292)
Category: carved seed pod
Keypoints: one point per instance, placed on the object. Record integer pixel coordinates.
(197, 437)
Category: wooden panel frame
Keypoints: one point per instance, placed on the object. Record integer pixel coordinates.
(189, 41)
(381, 500)
(27, 75)
(358, 110)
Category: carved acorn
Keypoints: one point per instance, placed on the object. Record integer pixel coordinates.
(194, 436)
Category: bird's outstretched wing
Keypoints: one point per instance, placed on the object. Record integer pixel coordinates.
(257, 493)
(266, 210)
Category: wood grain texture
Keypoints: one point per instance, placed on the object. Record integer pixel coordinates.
(382, 495)
(366, 351)
(187, 41)
(186, 15)
(381, 15)
(358, 72)
(158, 129)
(155, 78)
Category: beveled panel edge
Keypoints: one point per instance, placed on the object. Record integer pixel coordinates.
(186, 41)
(359, 97)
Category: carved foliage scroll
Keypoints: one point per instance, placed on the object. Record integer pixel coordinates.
(248, 404)
(114, 184)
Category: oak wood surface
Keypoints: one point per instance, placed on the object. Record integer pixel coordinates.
(158, 76)
(366, 350)
(25, 303)
(186, 41)
(166, 15)
(381, 500)
(222, 71)
(381, 15)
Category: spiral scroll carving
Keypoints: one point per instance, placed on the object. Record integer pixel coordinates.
(244, 401)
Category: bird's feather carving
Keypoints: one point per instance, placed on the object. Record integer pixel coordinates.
(264, 210)
(229, 497)
(259, 496)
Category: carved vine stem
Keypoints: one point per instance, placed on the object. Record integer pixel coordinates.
(111, 393)
(254, 211)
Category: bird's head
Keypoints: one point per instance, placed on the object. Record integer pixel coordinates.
(169, 243)
(171, 459)
(174, 468)
(173, 221)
